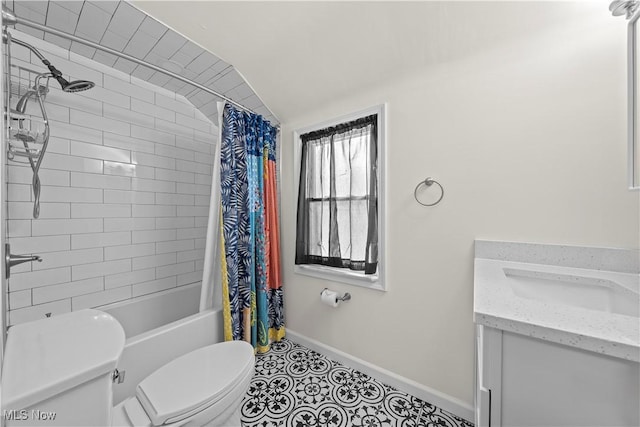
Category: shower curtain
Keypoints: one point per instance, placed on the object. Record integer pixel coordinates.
(244, 230)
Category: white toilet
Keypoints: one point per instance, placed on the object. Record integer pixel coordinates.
(58, 372)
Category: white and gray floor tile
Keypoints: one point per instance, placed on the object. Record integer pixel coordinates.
(298, 387)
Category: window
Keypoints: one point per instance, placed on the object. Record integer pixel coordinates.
(340, 199)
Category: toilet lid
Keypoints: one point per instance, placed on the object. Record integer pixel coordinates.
(195, 380)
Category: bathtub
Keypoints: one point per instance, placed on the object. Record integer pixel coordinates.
(159, 328)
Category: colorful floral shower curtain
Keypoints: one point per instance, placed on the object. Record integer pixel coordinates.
(251, 279)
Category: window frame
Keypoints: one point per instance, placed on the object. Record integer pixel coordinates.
(337, 274)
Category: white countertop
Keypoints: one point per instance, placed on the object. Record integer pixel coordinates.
(496, 305)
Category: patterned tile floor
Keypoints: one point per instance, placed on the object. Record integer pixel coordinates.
(295, 386)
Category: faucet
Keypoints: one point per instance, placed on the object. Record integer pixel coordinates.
(11, 260)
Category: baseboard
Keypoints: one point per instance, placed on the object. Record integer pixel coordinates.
(441, 400)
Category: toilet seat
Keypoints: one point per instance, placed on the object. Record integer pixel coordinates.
(193, 383)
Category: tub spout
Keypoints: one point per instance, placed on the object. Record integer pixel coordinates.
(11, 259)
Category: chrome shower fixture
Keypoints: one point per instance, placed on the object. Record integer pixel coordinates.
(8, 17)
(21, 106)
(28, 137)
(623, 7)
(25, 135)
(76, 85)
(67, 86)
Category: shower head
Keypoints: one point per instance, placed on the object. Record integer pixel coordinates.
(67, 86)
(74, 86)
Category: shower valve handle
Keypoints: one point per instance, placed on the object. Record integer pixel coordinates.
(11, 259)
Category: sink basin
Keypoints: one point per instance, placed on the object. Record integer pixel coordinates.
(587, 298)
(573, 290)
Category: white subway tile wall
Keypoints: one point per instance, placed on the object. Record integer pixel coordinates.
(125, 191)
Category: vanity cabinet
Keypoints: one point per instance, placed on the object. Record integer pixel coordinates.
(525, 381)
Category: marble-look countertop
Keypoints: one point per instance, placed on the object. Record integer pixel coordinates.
(496, 304)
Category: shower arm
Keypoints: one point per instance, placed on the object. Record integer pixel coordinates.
(27, 45)
(55, 73)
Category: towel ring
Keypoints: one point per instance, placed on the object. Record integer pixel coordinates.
(428, 182)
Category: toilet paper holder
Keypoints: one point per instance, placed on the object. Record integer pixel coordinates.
(345, 297)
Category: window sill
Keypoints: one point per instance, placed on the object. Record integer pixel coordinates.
(341, 275)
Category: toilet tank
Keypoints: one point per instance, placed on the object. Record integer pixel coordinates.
(57, 371)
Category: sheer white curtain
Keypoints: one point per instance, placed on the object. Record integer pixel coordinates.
(337, 201)
(211, 294)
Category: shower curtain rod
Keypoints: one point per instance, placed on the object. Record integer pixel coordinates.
(8, 15)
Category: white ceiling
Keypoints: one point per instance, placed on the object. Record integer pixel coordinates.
(298, 55)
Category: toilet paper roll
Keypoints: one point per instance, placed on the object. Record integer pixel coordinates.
(329, 298)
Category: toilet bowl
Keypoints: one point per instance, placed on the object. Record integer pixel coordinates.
(65, 364)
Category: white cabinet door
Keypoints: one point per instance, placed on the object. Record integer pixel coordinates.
(549, 384)
(523, 381)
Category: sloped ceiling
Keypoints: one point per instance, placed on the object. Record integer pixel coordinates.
(302, 54)
(121, 26)
(296, 55)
